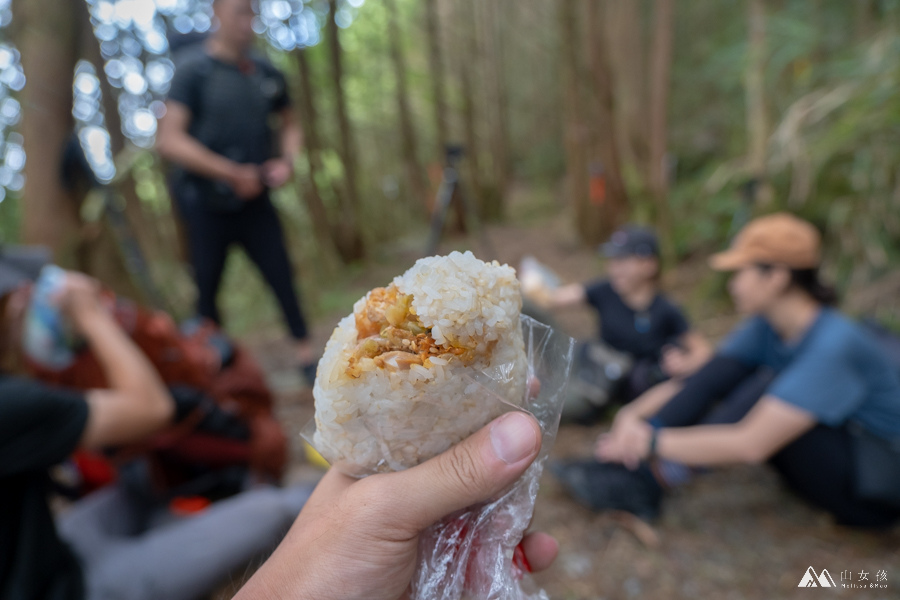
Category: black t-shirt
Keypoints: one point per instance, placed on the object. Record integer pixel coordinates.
(39, 427)
(641, 334)
(231, 106)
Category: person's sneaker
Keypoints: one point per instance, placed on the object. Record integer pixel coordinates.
(309, 372)
(610, 486)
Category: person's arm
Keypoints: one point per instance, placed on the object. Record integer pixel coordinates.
(137, 403)
(277, 171)
(566, 296)
(631, 420)
(768, 427)
(291, 135)
(693, 352)
(650, 402)
(174, 143)
(674, 403)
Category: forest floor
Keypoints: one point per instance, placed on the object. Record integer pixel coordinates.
(736, 533)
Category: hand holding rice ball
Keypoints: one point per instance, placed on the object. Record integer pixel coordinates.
(397, 382)
(420, 366)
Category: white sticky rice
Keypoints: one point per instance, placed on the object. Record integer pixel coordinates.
(391, 419)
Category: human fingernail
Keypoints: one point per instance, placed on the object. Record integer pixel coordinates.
(513, 437)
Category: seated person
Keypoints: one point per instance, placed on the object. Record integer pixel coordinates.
(225, 436)
(96, 549)
(830, 395)
(635, 316)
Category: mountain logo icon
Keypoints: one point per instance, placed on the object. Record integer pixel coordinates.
(810, 579)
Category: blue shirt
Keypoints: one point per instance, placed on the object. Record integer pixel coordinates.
(836, 372)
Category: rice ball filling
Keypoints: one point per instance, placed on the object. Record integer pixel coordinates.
(392, 337)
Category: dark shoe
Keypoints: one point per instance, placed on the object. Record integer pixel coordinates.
(610, 486)
(309, 372)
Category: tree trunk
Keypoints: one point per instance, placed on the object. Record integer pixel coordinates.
(468, 57)
(48, 42)
(436, 65)
(577, 183)
(660, 69)
(755, 89)
(608, 195)
(327, 234)
(418, 186)
(351, 241)
(497, 102)
(628, 69)
(105, 256)
(864, 18)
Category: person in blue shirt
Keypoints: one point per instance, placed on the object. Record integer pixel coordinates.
(828, 386)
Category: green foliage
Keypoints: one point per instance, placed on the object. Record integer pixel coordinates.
(830, 91)
(10, 217)
(838, 143)
(834, 149)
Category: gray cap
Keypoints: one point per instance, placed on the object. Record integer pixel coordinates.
(631, 240)
(20, 264)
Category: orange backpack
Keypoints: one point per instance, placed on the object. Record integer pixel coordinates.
(225, 428)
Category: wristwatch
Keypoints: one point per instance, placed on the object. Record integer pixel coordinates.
(651, 451)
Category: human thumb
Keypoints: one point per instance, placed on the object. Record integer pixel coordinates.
(473, 471)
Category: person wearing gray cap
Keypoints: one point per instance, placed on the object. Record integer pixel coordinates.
(635, 317)
(20, 265)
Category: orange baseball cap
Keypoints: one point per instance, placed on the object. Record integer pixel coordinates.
(776, 239)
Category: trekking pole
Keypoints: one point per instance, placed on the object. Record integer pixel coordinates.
(451, 187)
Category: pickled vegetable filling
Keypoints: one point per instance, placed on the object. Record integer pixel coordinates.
(391, 336)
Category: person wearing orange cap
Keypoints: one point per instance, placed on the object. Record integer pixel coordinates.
(828, 418)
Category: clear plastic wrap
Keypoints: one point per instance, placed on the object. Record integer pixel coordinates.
(473, 554)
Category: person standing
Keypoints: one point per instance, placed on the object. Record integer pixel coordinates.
(218, 134)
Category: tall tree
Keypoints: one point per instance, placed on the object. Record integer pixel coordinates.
(863, 17)
(436, 66)
(467, 58)
(52, 35)
(418, 186)
(757, 113)
(660, 70)
(609, 198)
(628, 68)
(102, 253)
(47, 32)
(575, 137)
(351, 240)
(496, 101)
(327, 232)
